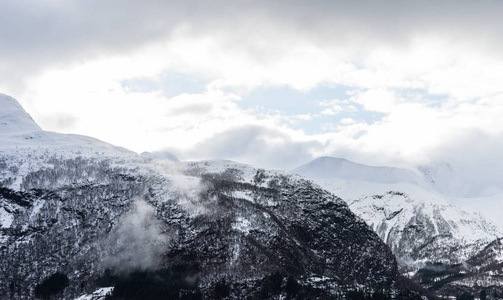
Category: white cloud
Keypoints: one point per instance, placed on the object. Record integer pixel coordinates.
(379, 100)
(303, 117)
(258, 145)
(347, 121)
(432, 69)
(137, 242)
(332, 111)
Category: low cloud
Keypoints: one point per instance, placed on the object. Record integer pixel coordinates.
(257, 145)
(474, 157)
(64, 121)
(137, 242)
(188, 191)
(192, 109)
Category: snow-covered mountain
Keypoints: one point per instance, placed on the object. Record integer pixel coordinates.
(13, 118)
(419, 224)
(21, 137)
(78, 215)
(331, 167)
(459, 181)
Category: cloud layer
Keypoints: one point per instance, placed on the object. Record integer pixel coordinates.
(173, 75)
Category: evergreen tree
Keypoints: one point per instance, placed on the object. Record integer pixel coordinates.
(465, 296)
(56, 283)
(483, 295)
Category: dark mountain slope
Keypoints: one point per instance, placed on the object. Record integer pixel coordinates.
(232, 228)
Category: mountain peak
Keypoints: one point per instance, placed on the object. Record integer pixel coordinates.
(13, 118)
(18, 132)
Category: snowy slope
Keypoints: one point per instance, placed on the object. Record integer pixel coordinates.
(421, 226)
(13, 118)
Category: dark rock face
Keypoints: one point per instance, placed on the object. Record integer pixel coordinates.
(81, 216)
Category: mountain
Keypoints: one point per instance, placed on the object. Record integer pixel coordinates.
(13, 117)
(331, 167)
(421, 226)
(490, 207)
(81, 218)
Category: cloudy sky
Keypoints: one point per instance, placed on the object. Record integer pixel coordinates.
(270, 83)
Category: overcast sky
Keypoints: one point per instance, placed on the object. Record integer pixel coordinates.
(270, 83)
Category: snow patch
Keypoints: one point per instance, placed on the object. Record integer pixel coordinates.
(242, 195)
(188, 190)
(37, 206)
(99, 294)
(242, 224)
(6, 218)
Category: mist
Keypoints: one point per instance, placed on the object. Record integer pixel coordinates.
(137, 243)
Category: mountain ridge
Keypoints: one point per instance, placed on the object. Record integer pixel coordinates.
(89, 214)
(332, 167)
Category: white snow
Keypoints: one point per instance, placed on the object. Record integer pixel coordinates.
(242, 195)
(242, 225)
(37, 206)
(13, 118)
(243, 172)
(438, 177)
(462, 219)
(235, 253)
(6, 218)
(391, 210)
(99, 294)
